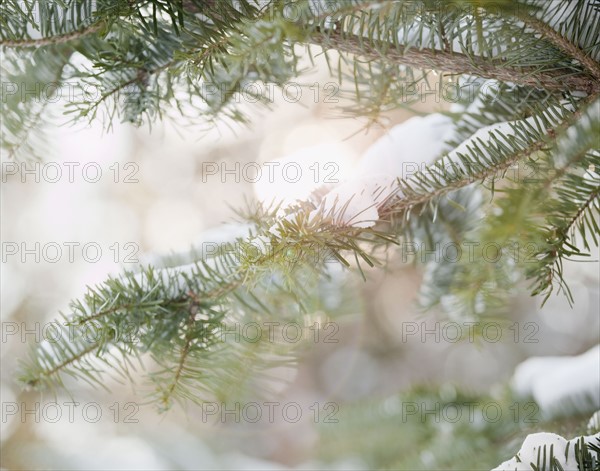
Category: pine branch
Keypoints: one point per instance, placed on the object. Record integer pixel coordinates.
(467, 179)
(540, 212)
(53, 40)
(585, 206)
(437, 180)
(189, 339)
(25, 119)
(46, 374)
(455, 63)
(179, 312)
(178, 315)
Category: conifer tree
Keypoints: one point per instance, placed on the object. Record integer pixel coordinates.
(524, 79)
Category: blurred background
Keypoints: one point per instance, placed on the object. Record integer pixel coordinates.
(154, 196)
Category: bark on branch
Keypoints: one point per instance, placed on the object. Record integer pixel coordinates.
(458, 63)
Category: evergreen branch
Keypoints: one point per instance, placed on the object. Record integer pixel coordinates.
(456, 63)
(177, 316)
(215, 294)
(561, 42)
(53, 40)
(454, 180)
(179, 312)
(36, 120)
(24, 119)
(189, 338)
(543, 211)
(467, 285)
(121, 307)
(43, 375)
(204, 55)
(559, 248)
(140, 77)
(467, 179)
(412, 198)
(585, 206)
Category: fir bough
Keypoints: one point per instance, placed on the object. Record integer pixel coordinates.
(188, 59)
